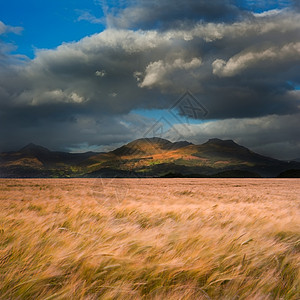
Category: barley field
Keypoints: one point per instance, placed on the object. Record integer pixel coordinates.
(149, 239)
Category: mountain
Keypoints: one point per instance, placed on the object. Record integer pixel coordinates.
(296, 159)
(290, 174)
(147, 157)
(37, 161)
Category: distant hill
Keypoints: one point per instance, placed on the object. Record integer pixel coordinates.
(37, 161)
(296, 159)
(290, 174)
(147, 157)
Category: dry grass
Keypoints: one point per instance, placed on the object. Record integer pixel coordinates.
(149, 238)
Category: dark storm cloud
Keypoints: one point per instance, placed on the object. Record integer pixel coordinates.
(163, 15)
(296, 4)
(84, 92)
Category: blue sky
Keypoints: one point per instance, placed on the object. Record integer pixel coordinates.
(47, 24)
(261, 5)
(99, 73)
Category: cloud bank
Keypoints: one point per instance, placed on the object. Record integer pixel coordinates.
(240, 65)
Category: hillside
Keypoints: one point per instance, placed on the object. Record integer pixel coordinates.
(37, 161)
(148, 157)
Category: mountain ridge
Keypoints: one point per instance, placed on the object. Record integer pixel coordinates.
(145, 157)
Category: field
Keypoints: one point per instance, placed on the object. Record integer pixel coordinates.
(149, 239)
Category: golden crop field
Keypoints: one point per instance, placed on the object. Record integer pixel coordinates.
(149, 239)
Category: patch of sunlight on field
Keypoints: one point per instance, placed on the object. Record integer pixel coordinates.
(149, 238)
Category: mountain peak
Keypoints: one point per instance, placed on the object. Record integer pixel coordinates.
(160, 143)
(150, 146)
(31, 147)
(219, 142)
(151, 139)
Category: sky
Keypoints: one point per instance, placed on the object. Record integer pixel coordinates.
(92, 75)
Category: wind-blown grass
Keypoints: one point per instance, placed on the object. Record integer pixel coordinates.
(149, 238)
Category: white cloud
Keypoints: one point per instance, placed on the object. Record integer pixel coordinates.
(87, 16)
(101, 73)
(6, 29)
(159, 73)
(76, 98)
(268, 13)
(248, 58)
(52, 96)
(283, 21)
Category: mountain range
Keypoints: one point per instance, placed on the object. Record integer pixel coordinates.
(147, 157)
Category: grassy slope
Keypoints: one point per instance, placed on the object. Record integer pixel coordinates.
(151, 238)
